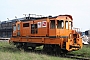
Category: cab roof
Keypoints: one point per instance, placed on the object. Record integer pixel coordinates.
(36, 18)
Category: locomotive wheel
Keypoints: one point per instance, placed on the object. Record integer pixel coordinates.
(33, 48)
(25, 47)
(18, 45)
(55, 49)
(47, 49)
(64, 51)
(22, 46)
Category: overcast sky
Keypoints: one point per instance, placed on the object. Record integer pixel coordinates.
(79, 9)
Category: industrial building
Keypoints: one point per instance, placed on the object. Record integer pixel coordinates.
(6, 28)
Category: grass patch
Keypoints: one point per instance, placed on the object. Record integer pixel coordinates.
(9, 52)
(85, 51)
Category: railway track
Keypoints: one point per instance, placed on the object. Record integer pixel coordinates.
(4, 38)
(76, 57)
(71, 56)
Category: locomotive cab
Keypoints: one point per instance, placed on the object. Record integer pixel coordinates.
(61, 27)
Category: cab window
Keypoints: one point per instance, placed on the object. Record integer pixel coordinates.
(52, 24)
(60, 24)
(14, 28)
(18, 26)
(34, 29)
(70, 25)
(26, 25)
(66, 24)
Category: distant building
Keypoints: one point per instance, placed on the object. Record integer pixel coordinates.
(6, 27)
(83, 33)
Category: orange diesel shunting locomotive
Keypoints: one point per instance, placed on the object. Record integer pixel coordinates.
(54, 33)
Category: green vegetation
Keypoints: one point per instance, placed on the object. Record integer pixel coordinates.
(9, 52)
(85, 51)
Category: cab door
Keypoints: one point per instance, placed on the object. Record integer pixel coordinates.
(16, 29)
(52, 28)
(68, 27)
(60, 28)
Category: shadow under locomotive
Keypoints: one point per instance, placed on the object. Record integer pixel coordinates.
(49, 50)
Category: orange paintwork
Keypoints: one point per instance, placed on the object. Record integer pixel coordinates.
(46, 35)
